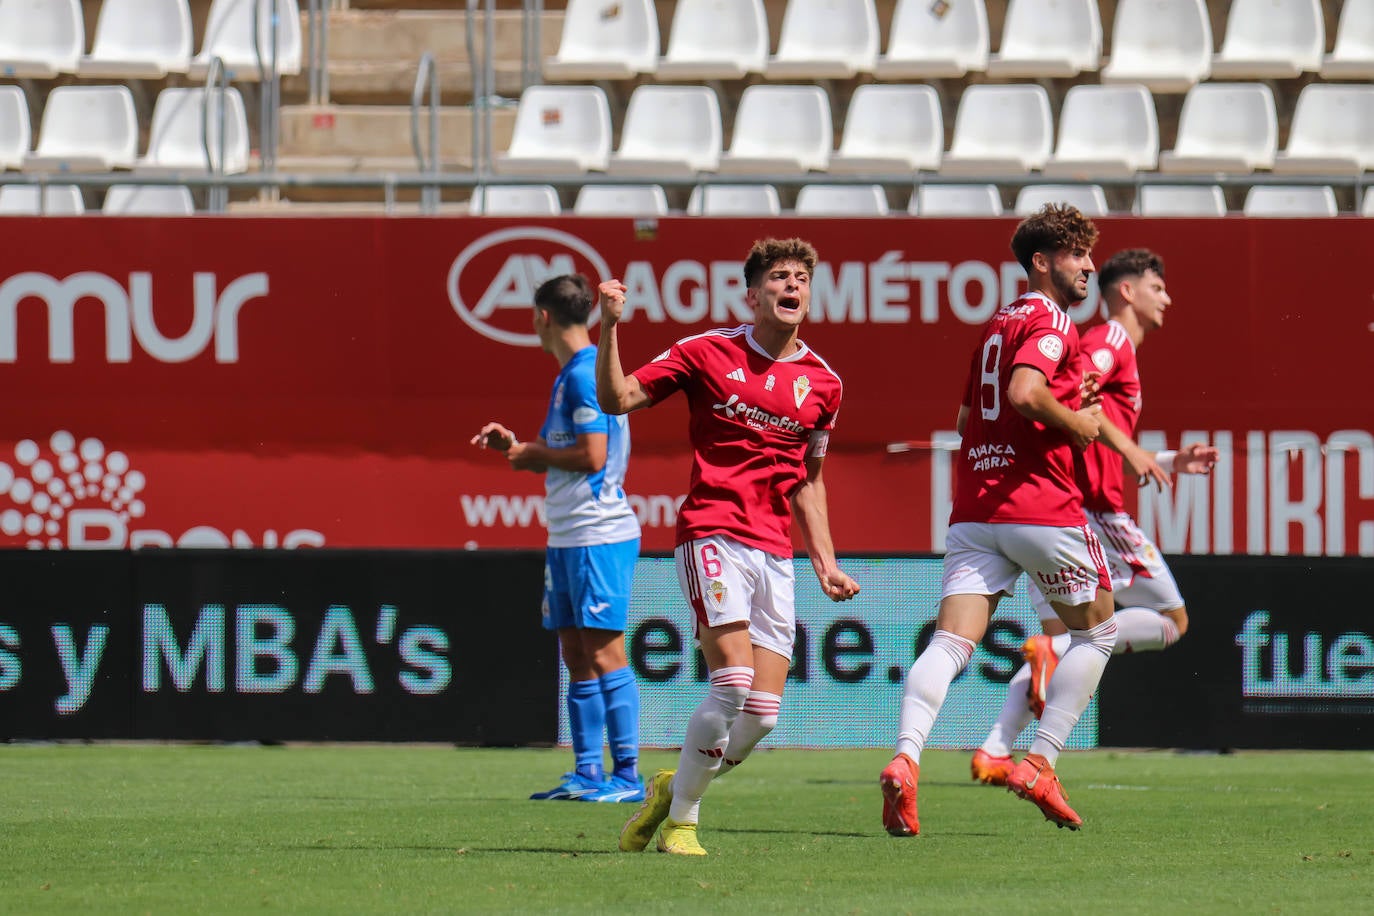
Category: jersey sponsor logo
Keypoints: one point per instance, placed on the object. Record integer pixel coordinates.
(1103, 359)
(1067, 580)
(770, 382)
(991, 455)
(756, 418)
(79, 494)
(801, 387)
(561, 437)
(129, 315)
(736, 375)
(491, 283)
(585, 415)
(1051, 346)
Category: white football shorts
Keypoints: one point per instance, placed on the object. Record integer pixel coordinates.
(725, 581)
(1140, 577)
(984, 558)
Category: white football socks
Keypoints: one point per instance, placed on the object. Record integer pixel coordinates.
(708, 732)
(1080, 669)
(1141, 629)
(758, 717)
(926, 685)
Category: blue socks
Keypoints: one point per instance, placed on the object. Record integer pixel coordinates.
(586, 721)
(620, 696)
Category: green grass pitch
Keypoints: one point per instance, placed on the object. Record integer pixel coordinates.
(430, 829)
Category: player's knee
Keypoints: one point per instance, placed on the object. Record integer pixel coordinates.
(1179, 616)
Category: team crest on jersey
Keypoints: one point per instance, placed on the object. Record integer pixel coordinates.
(718, 591)
(1051, 346)
(1103, 359)
(801, 388)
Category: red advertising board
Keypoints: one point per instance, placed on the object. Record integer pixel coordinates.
(315, 382)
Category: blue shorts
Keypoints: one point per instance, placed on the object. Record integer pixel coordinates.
(589, 587)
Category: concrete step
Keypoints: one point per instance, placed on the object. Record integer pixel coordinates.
(355, 135)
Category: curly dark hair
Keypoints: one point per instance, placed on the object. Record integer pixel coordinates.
(1132, 262)
(568, 298)
(1054, 227)
(767, 252)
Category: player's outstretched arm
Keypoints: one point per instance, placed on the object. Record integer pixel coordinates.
(1196, 458)
(494, 436)
(813, 518)
(616, 392)
(1138, 461)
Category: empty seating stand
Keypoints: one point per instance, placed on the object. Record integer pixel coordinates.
(605, 41)
(669, 130)
(890, 128)
(935, 40)
(559, 129)
(86, 129)
(1224, 127)
(1270, 39)
(139, 39)
(1000, 130)
(826, 39)
(715, 40)
(1165, 45)
(1048, 38)
(40, 39)
(784, 129)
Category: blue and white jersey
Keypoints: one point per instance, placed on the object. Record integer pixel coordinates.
(585, 509)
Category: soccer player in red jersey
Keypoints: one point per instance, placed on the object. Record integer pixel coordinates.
(1151, 613)
(762, 404)
(1017, 508)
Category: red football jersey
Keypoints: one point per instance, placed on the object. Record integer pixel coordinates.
(751, 418)
(1109, 350)
(1012, 469)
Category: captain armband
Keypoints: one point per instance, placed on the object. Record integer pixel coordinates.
(820, 440)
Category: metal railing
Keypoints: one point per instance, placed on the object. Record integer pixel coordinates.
(216, 87)
(426, 76)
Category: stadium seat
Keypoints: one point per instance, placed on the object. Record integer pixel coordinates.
(1180, 200)
(15, 131)
(1048, 38)
(715, 39)
(891, 128)
(734, 200)
(1332, 130)
(559, 129)
(57, 200)
(926, 44)
(669, 130)
(825, 39)
(86, 129)
(605, 40)
(1000, 129)
(514, 200)
(1224, 127)
(178, 135)
(1089, 198)
(1300, 200)
(148, 200)
(1165, 45)
(780, 129)
(841, 200)
(139, 39)
(1352, 57)
(229, 36)
(1368, 208)
(1105, 132)
(955, 200)
(40, 38)
(621, 200)
(1270, 39)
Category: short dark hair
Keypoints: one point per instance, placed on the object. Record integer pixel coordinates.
(1054, 227)
(1132, 262)
(767, 252)
(569, 299)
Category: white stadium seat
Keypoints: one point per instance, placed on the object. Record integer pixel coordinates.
(514, 200)
(1180, 200)
(605, 40)
(734, 200)
(621, 200)
(148, 200)
(139, 39)
(669, 130)
(1165, 45)
(1088, 198)
(926, 44)
(1106, 132)
(780, 129)
(229, 36)
(559, 129)
(1048, 38)
(1352, 57)
(15, 130)
(1270, 39)
(1000, 129)
(86, 129)
(891, 128)
(1368, 208)
(179, 131)
(56, 200)
(956, 200)
(40, 38)
(1224, 127)
(715, 39)
(841, 200)
(826, 39)
(1298, 201)
(1332, 130)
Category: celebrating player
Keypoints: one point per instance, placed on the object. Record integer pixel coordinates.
(592, 548)
(1150, 612)
(762, 404)
(1017, 508)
